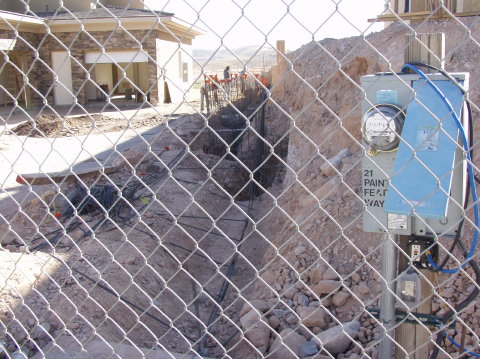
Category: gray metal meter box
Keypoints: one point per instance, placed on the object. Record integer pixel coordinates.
(414, 168)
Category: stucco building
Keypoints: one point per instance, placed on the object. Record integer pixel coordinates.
(66, 54)
(419, 10)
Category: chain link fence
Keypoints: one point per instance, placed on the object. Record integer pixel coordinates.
(158, 205)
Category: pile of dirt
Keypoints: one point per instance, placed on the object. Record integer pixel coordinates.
(44, 125)
(57, 126)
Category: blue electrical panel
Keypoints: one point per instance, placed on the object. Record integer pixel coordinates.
(422, 174)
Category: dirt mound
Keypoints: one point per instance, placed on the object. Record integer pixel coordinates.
(57, 126)
(44, 125)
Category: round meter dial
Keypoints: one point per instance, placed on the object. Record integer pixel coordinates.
(381, 127)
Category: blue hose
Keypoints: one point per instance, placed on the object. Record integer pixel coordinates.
(469, 166)
(460, 347)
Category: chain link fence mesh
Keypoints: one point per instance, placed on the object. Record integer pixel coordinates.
(151, 208)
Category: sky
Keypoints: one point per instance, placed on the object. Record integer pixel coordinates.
(237, 23)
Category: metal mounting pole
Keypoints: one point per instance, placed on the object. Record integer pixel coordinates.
(387, 304)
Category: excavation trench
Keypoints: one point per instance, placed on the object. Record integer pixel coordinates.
(161, 253)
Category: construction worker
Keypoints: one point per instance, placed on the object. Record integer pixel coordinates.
(226, 73)
(227, 79)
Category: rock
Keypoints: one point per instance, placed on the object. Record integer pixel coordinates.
(308, 349)
(356, 278)
(289, 291)
(41, 331)
(256, 331)
(299, 250)
(67, 346)
(19, 355)
(291, 319)
(340, 298)
(335, 339)
(268, 277)
(315, 275)
(351, 305)
(259, 304)
(302, 300)
(470, 309)
(18, 334)
(65, 241)
(326, 287)
(329, 167)
(274, 321)
(312, 317)
(278, 312)
(363, 288)
(7, 239)
(448, 292)
(327, 301)
(330, 274)
(287, 345)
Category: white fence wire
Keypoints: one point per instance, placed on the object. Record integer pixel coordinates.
(156, 204)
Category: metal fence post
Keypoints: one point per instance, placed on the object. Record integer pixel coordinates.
(387, 305)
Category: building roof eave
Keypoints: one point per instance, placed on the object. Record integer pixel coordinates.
(181, 27)
(20, 21)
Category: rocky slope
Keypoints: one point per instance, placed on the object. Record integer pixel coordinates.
(322, 270)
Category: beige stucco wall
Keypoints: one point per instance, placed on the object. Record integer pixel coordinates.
(3, 80)
(103, 75)
(91, 89)
(129, 74)
(143, 82)
(170, 64)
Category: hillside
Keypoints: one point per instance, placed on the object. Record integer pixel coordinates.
(215, 60)
(320, 257)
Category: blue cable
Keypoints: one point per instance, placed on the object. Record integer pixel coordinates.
(460, 347)
(470, 172)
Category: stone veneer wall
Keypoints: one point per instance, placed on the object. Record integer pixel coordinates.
(40, 62)
(25, 42)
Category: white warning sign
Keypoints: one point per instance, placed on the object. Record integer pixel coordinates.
(397, 222)
(427, 138)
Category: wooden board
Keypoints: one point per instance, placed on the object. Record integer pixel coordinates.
(419, 16)
(471, 5)
(418, 5)
(281, 50)
(413, 340)
(405, 333)
(425, 48)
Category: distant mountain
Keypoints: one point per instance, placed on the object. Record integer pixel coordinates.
(254, 57)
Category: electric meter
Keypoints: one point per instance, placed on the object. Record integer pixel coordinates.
(381, 127)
